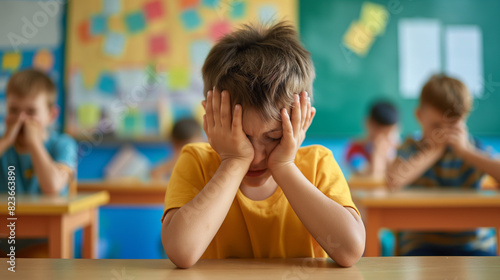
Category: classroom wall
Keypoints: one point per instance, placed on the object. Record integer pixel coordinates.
(347, 83)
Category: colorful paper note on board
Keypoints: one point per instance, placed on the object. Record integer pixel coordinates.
(190, 19)
(114, 44)
(84, 31)
(199, 51)
(268, 13)
(374, 17)
(43, 60)
(98, 25)
(11, 61)
(238, 9)
(189, 4)
(153, 10)
(135, 22)
(358, 39)
(211, 3)
(88, 115)
(107, 84)
(178, 78)
(111, 7)
(158, 44)
(219, 29)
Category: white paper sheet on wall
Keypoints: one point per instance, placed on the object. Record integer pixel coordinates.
(464, 56)
(419, 53)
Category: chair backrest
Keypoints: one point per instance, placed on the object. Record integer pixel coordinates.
(72, 186)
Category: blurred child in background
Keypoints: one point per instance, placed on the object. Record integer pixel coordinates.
(448, 157)
(185, 131)
(369, 157)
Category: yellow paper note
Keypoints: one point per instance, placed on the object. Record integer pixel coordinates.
(88, 115)
(374, 17)
(178, 78)
(11, 61)
(358, 39)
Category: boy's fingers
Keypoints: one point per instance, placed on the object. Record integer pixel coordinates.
(216, 107)
(205, 125)
(296, 115)
(303, 108)
(286, 124)
(209, 109)
(237, 118)
(226, 110)
(307, 121)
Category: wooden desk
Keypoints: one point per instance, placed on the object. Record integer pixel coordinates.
(426, 209)
(476, 268)
(128, 191)
(56, 217)
(363, 183)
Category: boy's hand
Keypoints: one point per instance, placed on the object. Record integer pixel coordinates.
(225, 134)
(458, 138)
(33, 133)
(13, 126)
(294, 131)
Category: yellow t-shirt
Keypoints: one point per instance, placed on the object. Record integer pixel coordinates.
(258, 229)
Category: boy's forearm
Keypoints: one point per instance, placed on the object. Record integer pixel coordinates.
(403, 172)
(49, 176)
(337, 230)
(482, 162)
(195, 224)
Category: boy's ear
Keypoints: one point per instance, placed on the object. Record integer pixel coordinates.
(204, 104)
(418, 113)
(54, 112)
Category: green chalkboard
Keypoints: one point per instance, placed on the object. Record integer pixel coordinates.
(346, 85)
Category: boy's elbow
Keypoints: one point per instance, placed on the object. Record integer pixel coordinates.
(349, 256)
(180, 259)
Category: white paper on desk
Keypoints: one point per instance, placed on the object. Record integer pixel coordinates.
(419, 54)
(464, 56)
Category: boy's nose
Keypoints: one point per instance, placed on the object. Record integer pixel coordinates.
(259, 156)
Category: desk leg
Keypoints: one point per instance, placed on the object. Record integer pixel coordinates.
(60, 238)
(372, 229)
(90, 236)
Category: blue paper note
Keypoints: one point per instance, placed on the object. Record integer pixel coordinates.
(151, 123)
(114, 44)
(107, 84)
(98, 24)
(190, 19)
(211, 3)
(267, 14)
(238, 9)
(135, 22)
(111, 7)
(199, 51)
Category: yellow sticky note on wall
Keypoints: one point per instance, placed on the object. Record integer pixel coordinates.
(374, 17)
(358, 38)
(88, 115)
(11, 61)
(178, 78)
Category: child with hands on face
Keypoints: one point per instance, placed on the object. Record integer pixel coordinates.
(445, 157)
(252, 192)
(44, 160)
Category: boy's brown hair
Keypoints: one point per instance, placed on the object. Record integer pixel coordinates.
(261, 67)
(31, 82)
(447, 95)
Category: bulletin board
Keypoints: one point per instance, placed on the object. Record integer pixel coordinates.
(33, 38)
(134, 67)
